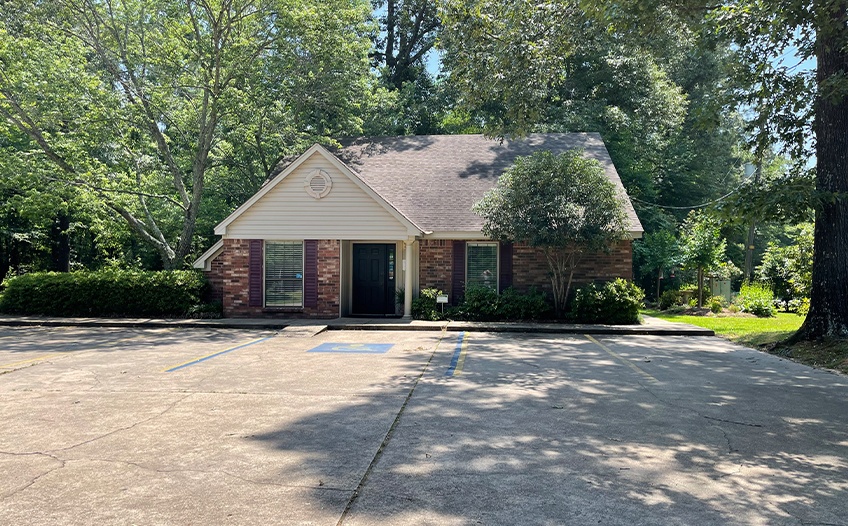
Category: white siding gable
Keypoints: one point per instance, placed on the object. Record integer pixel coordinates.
(287, 211)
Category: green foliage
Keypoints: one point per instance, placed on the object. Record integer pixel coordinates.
(479, 304)
(485, 304)
(702, 244)
(670, 298)
(563, 204)
(701, 241)
(803, 307)
(656, 254)
(105, 293)
(788, 269)
(148, 106)
(658, 97)
(532, 305)
(424, 307)
(616, 302)
(716, 304)
(756, 298)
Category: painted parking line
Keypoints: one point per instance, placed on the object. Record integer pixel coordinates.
(213, 355)
(67, 352)
(13, 364)
(621, 358)
(458, 359)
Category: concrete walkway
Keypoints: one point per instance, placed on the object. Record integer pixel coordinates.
(649, 325)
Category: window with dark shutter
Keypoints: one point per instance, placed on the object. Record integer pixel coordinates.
(482, 265)
(283, 274)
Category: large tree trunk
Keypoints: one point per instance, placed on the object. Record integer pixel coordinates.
(828, 315)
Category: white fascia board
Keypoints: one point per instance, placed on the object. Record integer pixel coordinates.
(204, 262)
(457, 234)
(412, 228)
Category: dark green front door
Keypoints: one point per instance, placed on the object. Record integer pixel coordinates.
(373, 279)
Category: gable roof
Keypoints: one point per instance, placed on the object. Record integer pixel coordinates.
(317, 149)
(436, 179)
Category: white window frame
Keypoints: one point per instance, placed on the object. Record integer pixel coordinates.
(265, 272)
(469, 244)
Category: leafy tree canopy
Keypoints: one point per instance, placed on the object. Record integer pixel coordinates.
(563, 204)
(142, 102)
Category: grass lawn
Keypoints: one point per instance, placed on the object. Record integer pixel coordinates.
(766, 334)
(752, 332)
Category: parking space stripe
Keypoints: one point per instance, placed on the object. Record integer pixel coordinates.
(458, 360)
(13, 364)
(69, 352)
(621, 359)
(213, 355)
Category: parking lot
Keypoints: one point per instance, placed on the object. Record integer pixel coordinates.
(205, 426)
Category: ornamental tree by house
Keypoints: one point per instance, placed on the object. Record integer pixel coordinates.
(563, 204)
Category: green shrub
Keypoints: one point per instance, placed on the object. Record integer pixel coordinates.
(670, 298)
(424, 307)
(479, 304)
(756, 298)
(716, 304)
(104, 293)
(532, 305)
(616, 302)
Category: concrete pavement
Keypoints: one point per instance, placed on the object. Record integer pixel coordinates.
(219, 426)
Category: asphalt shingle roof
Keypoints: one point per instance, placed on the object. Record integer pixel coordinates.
(435, 179)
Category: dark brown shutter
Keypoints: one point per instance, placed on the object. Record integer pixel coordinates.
(254, 273)
(505, 263)
(310, 273)
(458, 272)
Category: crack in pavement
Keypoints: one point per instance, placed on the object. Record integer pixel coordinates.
(125, 428)
(62, 464)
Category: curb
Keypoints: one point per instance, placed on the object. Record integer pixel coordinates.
(184, 324)
(261, 324)
(569, 329)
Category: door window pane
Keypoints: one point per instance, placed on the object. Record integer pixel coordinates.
(284, 274)
(482, 265)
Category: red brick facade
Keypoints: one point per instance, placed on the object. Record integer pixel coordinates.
(230, 282)
(435, 263)
(529, 267)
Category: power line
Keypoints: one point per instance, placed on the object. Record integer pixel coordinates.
(693, 207)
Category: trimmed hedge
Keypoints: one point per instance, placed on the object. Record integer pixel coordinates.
(616, 303)
(105, 293)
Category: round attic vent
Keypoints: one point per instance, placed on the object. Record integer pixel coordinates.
(318, 183)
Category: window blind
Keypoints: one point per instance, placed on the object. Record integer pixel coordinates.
(284, 274)
(482, 265)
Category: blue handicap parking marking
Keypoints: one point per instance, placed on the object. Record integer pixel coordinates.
(354, 348)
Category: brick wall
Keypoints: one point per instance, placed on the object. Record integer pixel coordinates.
(435, 264)
(216, 280)
(229, 274)
(230, 269)
(529, 265)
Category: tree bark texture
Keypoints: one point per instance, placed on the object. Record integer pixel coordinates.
(828, 315)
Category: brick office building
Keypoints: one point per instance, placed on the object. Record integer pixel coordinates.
(337, 233)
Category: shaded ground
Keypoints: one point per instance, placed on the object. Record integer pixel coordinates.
(486, 429)
(768, 334)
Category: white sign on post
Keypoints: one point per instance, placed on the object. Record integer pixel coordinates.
(442, 299)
